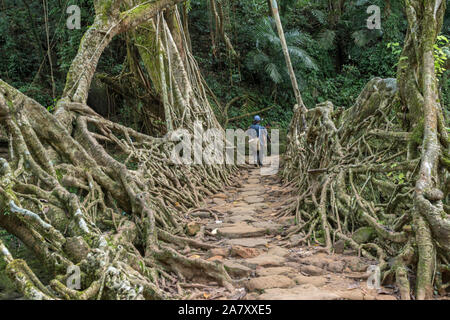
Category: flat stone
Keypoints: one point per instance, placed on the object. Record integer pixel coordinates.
(219, 201)
(265, 260)
(301, 292)
(245, 252)
(318, 281)
(268, 282)
(236, 269)
(251, 193)
(312, 270)
(261, 205)
(241, 231)
(254, 180)
(241, 210)
(318, 260)
(254, 199)
(240, 218)
(355, 264)
(249, 242)
(271, 227)
(336, 266)
(252, 186)
(262, 272)
(279, 251)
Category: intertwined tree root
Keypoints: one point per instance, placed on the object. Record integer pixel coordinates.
(354, 173)
(383, 164)
(115, 208)
(78, 189)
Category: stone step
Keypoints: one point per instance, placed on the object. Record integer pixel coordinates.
(236, 269)
(272, 271)
(301, 292)
(240, 231)
(240, 218)
(271, 227)
(244, 209)
(268, 282)
(264, 260)
(251, 193)
(249, 242)
(253, 199)
(259, 206)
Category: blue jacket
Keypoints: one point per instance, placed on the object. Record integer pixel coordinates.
(257, 128)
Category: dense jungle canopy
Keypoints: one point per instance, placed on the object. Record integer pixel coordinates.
(86, 117)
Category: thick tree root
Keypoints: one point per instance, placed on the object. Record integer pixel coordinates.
(80, 190)
(356, 183)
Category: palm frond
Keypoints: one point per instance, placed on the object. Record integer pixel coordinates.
(298, 38)
(273, 73)
(256, 59)
(303, 56)
(320, 16)
(264, 32)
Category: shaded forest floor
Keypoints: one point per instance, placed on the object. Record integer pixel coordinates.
(253, 246)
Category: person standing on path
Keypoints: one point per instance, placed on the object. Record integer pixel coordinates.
(258, 140)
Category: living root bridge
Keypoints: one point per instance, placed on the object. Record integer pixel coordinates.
(376, 176)
(78, 189)
(356, 183)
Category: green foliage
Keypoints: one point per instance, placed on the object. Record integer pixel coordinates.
(333, 53)
(24, 61)
(188, 5)
(267, 60)
(395, 47)
(440, 55)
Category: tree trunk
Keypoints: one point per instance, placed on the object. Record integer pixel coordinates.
(419, 92)
(367, 167)
(294, 83)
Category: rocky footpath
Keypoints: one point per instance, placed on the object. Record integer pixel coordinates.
(241, 222)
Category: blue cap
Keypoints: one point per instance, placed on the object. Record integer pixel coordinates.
(257, 118)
